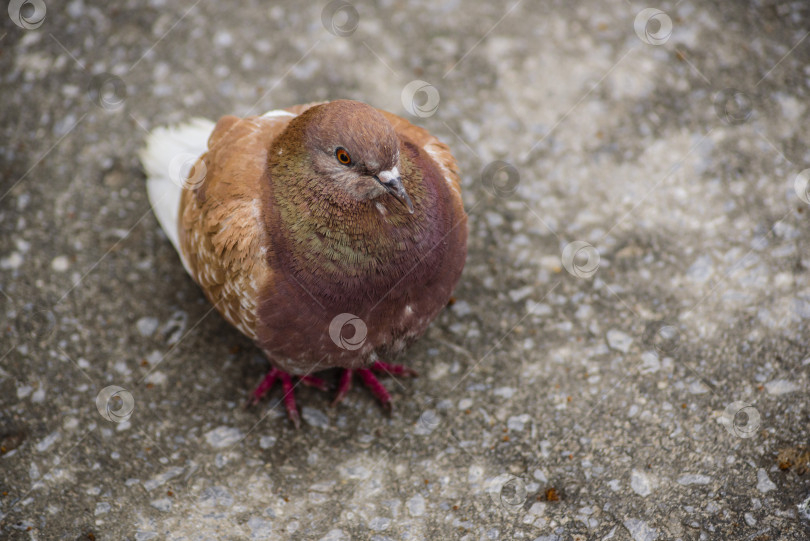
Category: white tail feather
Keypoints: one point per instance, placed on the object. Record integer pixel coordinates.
(168, 155)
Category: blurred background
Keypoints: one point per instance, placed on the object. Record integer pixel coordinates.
(627, 355)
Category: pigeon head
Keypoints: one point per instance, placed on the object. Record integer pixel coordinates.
(354, 148)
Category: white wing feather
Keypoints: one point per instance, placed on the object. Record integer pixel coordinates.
(167, 151)
(170, 152)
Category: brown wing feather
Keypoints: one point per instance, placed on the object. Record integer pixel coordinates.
(220, 232)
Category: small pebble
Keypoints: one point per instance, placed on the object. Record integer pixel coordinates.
(162, 504)
(779, 387)
(639, 530)
(518, 422)
(379, 524)
(416, 505)
(315, 417)
(223, 437)
(60, 263)
(694, 479)
(764, 483)
(147, 325)
(13, 261)
(641, 483)
(619, 340)
(102, 508)
(266, 442)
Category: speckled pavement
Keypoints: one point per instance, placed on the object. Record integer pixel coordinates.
(627, 356)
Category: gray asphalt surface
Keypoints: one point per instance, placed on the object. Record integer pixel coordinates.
(627, 357)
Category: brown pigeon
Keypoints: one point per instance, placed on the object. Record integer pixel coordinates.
(331, 234)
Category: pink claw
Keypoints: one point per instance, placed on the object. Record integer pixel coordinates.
(262, 388)
(371, 381)
(343, 387)
(394, 369)
(287, 388)
(366, 376)
(376, 388)
(314, 381)
(289, 399)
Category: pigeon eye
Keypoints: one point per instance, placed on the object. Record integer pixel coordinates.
(343, 156)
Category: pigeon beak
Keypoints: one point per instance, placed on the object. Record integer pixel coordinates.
(392, 182)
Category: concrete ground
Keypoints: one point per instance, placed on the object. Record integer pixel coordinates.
(627, 357)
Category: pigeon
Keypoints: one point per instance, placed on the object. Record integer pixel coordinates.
(331, 234)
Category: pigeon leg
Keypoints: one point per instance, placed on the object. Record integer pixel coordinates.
(376, 388)
(265, 385)
(343, 387)
(371, 382)
(287, 388)
(314, 381)
(289, 399)
(394, 369)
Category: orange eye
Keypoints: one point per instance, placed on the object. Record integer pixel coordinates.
(343, 156)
